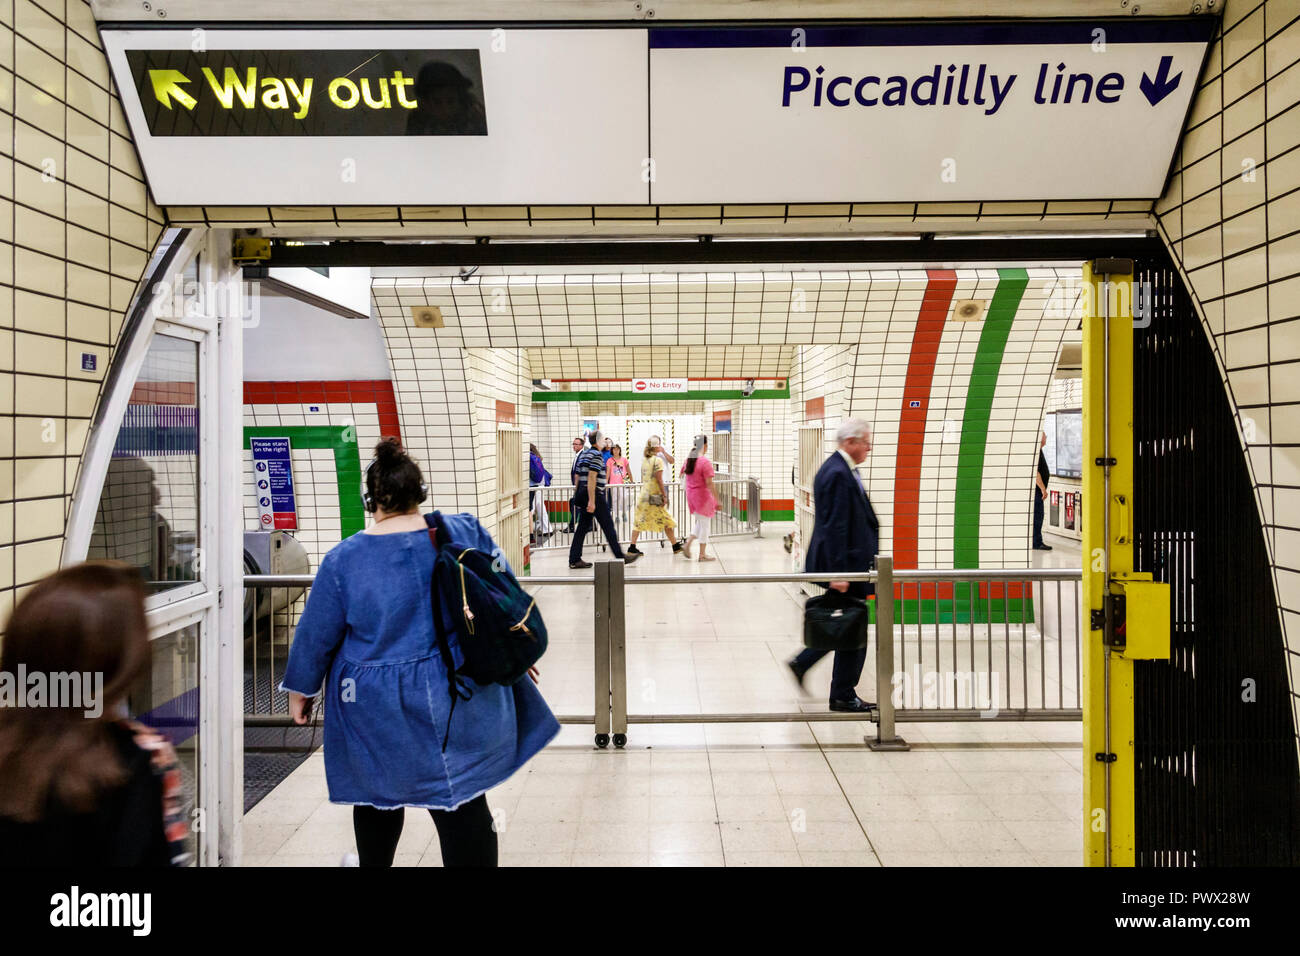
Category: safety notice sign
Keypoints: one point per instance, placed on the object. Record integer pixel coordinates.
(273, 484)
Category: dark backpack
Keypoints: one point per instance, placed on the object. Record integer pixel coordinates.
(498, 625)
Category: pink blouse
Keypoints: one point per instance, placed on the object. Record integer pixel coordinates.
(618, 471)
(698, 498)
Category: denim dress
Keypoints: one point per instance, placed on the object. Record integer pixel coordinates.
(367, 634)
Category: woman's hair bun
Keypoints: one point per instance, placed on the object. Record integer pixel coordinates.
(389, 450)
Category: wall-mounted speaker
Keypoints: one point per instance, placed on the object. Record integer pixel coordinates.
(968, 310)
(426, 317)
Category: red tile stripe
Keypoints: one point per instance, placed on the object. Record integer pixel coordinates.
(911, 425)
(163, 393)
(379, 391)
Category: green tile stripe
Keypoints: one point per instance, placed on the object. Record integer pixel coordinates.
(342, 439)
(914, 611)
(720, 394)
(975, 419)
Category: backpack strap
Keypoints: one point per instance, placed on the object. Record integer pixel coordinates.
(456, 686)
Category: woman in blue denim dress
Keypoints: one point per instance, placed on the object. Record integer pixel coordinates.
(367, 634)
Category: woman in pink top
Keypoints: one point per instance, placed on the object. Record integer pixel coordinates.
(618, 471)
(700, 497)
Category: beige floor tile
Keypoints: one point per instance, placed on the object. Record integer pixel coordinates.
(616, 809)
(977, 836)
(679, 838)
(535, 859)
(831, 837)
(905, 857)
(756, 836)
(681, 784)
(820, 809)
(1025, 806)
(953, 806)
(885, 807)
(744, 784)
(611, 860)
(687, 859)
(600, 837)
(838, 858)
(765, 807)
(264, 839)
(994, 858)
(913, 836)
(763, 858)
(683, 809)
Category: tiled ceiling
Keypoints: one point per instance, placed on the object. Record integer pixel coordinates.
(659, 310)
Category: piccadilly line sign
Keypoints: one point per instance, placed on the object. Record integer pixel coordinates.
(942, 111)
(310, 92)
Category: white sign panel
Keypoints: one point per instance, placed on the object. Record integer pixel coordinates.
(875, 112)
(654, 386)
(932, 112)
(357, 117)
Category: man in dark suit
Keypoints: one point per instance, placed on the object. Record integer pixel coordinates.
(846, 537)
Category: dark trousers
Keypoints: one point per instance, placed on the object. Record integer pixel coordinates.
(573, 513)
(1038, 518)
(847, 669)
(602, 518)
(465, 834)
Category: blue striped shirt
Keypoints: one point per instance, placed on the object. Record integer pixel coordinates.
(590, 460)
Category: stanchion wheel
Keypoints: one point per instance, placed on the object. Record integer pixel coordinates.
(602, 741)
(620, 740)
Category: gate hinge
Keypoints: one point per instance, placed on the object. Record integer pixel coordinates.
(1098, 619)
(1103, 462)
(1104, 758)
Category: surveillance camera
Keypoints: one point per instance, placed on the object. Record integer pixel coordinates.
(748, 390)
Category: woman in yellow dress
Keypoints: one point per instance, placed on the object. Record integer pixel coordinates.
(650, 516)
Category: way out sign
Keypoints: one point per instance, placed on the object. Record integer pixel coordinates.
(273, 484)
(310, 92)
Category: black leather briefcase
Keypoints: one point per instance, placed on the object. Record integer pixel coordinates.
(835, 622)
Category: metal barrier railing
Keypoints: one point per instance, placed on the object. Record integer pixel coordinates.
(739, 515)
(949, 646)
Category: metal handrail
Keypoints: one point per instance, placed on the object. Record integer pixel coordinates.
(610, 579)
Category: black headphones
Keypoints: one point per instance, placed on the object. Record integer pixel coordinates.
(368, 502)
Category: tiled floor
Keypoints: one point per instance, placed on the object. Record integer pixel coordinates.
(804, 793)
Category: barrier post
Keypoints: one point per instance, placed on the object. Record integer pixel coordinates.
(601, 652)
(886, 738)
(755, 506)
(617, 652)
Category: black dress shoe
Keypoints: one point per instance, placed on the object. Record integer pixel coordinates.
(629, 557)
(797, 674)
(1042, 547)
(633, 549)
(579, 564)
(855, 706)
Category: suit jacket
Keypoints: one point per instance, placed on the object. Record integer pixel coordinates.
(846, 533)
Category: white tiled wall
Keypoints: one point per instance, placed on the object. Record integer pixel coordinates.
(1229, 217)
(69, 181)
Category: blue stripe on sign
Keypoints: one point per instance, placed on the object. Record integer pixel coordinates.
(177, 718)
(944, 33)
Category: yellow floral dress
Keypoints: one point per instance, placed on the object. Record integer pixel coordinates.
(650, 517)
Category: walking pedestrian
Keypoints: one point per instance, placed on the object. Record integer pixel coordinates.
(701, 497)
(592, 505)
(651, 505)
(368, 636)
